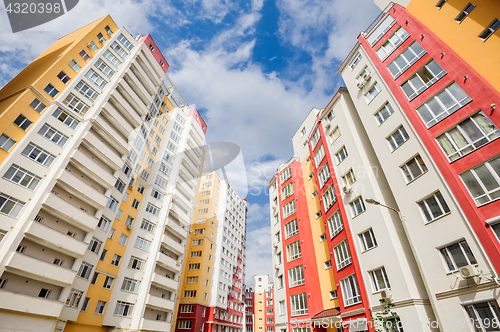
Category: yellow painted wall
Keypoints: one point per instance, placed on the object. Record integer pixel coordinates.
(326, 279)
(259, 324)
(463, 38)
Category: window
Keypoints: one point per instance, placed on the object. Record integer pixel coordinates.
(422, 79)
(99, 309)
(406, 59)
(125, 42)
(171, 146)
(342, 255)
(116, 260)
(104, 68)
(136, 263)
(112, 59)
(484, 315)
(104, 223)
(123, 239)
(192, 280)
(414, 168)
(296, 276)
(483, 181)
(197, 242)
(153, 209)
(355, 60)
(85, 304)
(357, 206)
(142, 243)
(187, 309)
(86, 91)
(65, 118)
(486, 33)
(53, 135)
(120, 51)
(22, 177)
(350, 290)
(93, 46)
(147, 225)
(130, 285)
(161, 182)
(335, 224)
(368, 240)
(63, 77)
(457, 255)
(434, 206)
(164, 169)
(289, 209)
(320, 154)
(298, 304)
(37, 105)
(287, 191)
(76, 104)
(348, 178)
(38, 154)
(467, 136)
(384, 113)
(74, 298)
(396, 39)
(190, 293)
(123, 309)
(96, 79)
(291, 229)
(23, 122)
(51, 90)
(379, 279)
(315, 138)
(335, 134)
(443, 104)
(73, 64)
(282, 309)
(108, 30)
(111, 234)
(397, 138)
(286, 174)
(108, 282)
(103, 255)
(324, 175)
(293, 251)
(372, 93)
(329, 198)
(341, 155)
(185, 324)
(202, 211)
(112, 203)
(84, 55)
(440, 3)
(94, 245)
(465, 12)
(6, 143)
(84, 271)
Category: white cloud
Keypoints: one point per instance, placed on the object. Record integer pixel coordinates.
(258, 212)
(259, 260)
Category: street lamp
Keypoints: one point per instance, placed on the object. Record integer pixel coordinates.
(375, 202)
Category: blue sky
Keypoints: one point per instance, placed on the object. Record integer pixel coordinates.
(253, 68)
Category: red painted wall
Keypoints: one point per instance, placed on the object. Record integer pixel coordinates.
(156, 52)
(194, 113)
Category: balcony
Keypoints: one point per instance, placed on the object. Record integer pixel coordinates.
(69, 212)
(191, 167)
(177, 229)
(93, 169)
(168, 262)
(111, 134)
(180, 199)
(164, 282)
(99, 148)
(54, 239)
(132, 98)
(139, 88)
(82, 190)
(182, 216)
(124, 107)
(159, 303)
(155, 325)
(29, 304)
(117, 117)
(39, 270)
(186, 189)
(172, 244)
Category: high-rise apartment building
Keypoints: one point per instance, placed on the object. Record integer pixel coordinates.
(211, 292)
(259, 305)
(100, 160)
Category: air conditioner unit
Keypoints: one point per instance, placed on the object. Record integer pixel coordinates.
(131, 187)
(360, 85)
(178, 263)
(102, 40)
(129, 226)
(468, 271)
(347, 189)
(367, 77)
(328, 125)
(275, 244)
(386, 294)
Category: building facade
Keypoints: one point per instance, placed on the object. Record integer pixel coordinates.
(211, 292)
(259, 305)
(100, 160)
